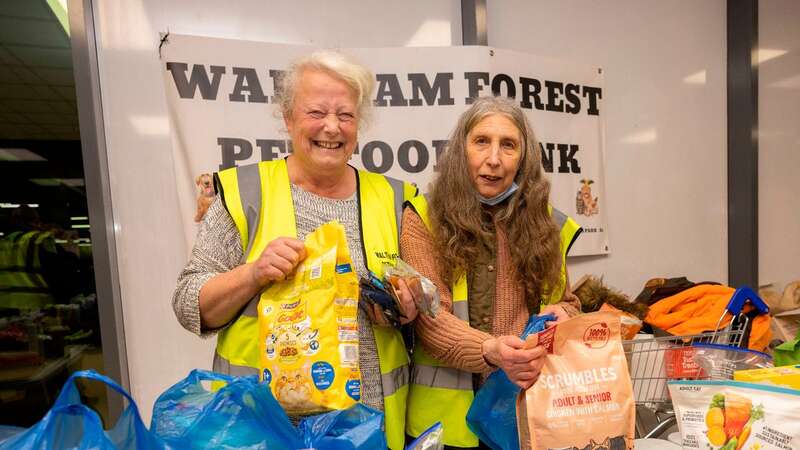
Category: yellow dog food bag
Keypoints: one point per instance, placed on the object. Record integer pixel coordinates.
(308, 329)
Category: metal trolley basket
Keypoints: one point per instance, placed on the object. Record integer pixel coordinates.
(652, 361)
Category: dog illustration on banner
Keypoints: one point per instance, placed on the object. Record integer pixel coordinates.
(584, 203)
(205, 196)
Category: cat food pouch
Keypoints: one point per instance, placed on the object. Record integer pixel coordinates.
(733, 415)
(308, 329)
(583, 398)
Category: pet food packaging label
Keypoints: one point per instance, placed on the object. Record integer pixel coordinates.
(786, 376)
(308, 329)
(732, 415)
(583, 397)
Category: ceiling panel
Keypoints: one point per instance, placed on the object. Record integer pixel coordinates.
(26, 75)
(13, 118)
(23, 131)
(29, 9)
(65, 92)
(6, 57)
(50, 118)
(7, 75)
(64, 107)
(17, 30)
(42, 56)
(37, 93)
(59, 77)
(19, 92)
(28, 106)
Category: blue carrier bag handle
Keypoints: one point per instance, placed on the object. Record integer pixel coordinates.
(72, 425)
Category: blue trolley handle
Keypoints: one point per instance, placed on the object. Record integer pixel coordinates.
(737, 301)
(741, 296)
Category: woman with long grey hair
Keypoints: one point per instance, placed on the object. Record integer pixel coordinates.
(495, 248)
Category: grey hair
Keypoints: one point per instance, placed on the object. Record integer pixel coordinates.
(486, 106)
(340, 65)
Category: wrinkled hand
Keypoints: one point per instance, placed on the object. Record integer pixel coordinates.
(407, 305)
(555, 310)
(278, 260)
(521, 365)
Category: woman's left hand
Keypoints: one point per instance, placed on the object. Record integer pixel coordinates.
(555, 310)
(409, 308)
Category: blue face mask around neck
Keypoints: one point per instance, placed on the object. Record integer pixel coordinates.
(499, 197)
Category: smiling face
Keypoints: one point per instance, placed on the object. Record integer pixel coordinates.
(323, 123)
(494, 150)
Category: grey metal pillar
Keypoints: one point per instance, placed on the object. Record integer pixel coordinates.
(473, 22)
(742, 143)
(98, 195)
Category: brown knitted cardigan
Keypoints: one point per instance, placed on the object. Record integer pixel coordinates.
(446, 337)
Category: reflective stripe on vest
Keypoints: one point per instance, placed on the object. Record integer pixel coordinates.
(22, 285)
(444, 394)
(249, 194)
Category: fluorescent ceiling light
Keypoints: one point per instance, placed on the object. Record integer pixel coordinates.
(9, 205)
(50, 182)
(73, 182)
(78, 226)
(59, 8)
(19, 154)
(76, 218)
(33, 205)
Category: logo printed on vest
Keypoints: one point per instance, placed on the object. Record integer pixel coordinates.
(386, 255)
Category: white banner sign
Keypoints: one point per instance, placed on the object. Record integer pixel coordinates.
(220, 98)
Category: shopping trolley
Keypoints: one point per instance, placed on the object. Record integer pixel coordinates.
(653, 361)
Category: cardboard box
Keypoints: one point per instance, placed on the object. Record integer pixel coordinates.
(787, 324)
(786, 376)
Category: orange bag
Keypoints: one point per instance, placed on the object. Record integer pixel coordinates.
(583, 397)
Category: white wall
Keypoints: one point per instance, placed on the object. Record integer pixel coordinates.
(665, 80)
(665, 146)
(779, 142)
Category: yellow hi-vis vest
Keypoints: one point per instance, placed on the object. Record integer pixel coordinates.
(22, 285)
(259, 199)
(444, 394)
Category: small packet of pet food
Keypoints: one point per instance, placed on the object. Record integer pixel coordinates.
(423, 291)
(583, 398)
(381, 300)
(732, 415)
(630, 323)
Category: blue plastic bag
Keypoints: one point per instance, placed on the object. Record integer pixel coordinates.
(430, 439)
(72, 425)
(7, 431)
(493, 413)
(242, 413)
(354, 428)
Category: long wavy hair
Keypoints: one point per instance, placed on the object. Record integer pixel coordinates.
(461, 224)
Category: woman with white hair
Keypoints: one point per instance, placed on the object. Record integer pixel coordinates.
(252, 235)
(496, 251)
